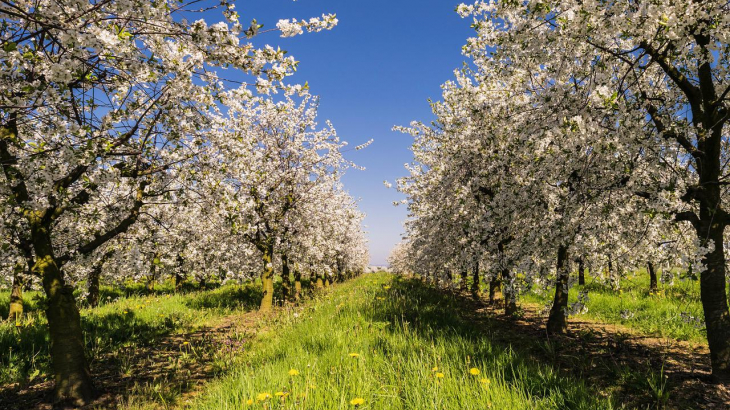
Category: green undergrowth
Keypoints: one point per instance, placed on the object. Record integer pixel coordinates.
(674, 311)
(386, 342)
(127, 318)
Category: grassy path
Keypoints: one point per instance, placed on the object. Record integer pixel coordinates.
(382, 342)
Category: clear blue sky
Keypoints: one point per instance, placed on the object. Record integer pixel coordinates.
(376, 69)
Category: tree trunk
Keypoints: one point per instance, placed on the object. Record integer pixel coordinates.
(267, 281)
(327, 282)
(71, 371)
(319, 284)
(714, 298)
(152, 278)
(581, 271)
(494, 287)
(93, 296)
(475, 279)
(652, 278)
(285, 278)
(463, 282)
(178, 273)
(16, 297)
(557, 322)
(297, 285)
(510, 299)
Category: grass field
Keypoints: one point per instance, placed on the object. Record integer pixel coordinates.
(674, 311)
(377, 342)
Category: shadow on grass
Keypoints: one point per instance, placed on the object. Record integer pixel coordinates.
(635, 373)
(125, 350)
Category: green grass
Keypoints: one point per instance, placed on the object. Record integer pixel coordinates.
(131, 318)
(400, 330)
(665, 314)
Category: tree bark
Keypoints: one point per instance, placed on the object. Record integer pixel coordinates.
(319, 284)
(510, 299)
(581, 271)
(93, 296)
(71, 371)
(714, 298)
(494, 287)
(297, 285)
(285, 278)
(267, 281)
(475, 279)
(652, 278)
(557, 323)
(464, 278)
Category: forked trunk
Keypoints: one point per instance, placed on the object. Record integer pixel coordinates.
(557, 323)
(652, 278)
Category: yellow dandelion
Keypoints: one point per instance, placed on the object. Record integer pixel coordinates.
(439, 375)
(281, 394)
(435, 368)
(293, 372)
(354, 354)
(474, 371)
(186, 343)
(386, 287)
(249, 402)
(312, 386)
(357, 401)
(125, 312)
(263, 396)
(485, 381)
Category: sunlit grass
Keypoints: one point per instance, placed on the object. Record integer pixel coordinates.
(380, 342)
(674, 311)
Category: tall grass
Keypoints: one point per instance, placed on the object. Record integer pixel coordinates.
(382, 342)
(133, 317)
(675, 311)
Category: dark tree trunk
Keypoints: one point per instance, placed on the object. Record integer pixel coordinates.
(475, 279)
(92, 298)
(285, 278)
(297, 285)
(581, 271)
(464, 278)
(178, 273)
(557, 322)
(652, 278)
(71, 371)
(714, 295)
(494, 287)
(510, 299)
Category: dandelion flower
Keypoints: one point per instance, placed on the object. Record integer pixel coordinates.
(186, 343)
(293, 372)
(485, 381)
(474, 371)
(435, 368)
(354, 354)
(263, 396)
(357, 401)
(439, 375)
(386, 287)
(281, 394)
(249, 402)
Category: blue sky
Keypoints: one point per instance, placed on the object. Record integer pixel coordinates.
(376, 69)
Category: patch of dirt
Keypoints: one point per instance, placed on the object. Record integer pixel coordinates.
(169, 370)
(643, 371)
